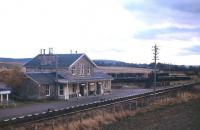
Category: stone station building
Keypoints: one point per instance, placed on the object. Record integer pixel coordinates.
(63, 76)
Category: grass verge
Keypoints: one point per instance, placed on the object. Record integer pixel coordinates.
(180, 112)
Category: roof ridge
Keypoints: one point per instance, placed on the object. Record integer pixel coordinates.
(48, 60)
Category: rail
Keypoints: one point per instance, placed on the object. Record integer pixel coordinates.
(51, 114)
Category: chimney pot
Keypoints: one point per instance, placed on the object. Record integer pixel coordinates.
(41, 51)
(50, 50)
(44, 51)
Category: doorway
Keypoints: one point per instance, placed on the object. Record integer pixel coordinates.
(82, 87)
(99, 87)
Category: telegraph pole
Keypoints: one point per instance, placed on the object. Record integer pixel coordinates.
(155, 58)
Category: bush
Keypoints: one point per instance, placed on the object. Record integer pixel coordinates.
(13, 78)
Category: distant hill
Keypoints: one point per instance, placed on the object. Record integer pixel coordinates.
(98, 62)
(108, 62)
(119, 63)
(161, 66)
(15, 60)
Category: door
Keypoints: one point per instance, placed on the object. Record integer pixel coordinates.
(66, 92)
(99, 87)
(82, 87)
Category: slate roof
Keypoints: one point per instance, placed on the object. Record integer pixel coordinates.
(63, 60)
(50, 78)
(98, 76)
(43, 78)
(101, 75)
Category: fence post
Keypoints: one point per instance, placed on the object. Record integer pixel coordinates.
(67, 124)
(147, 100)
(183, 94)
(161, 99)
(103, 112)
(166, 98)
(114, 107)
(136, 104)
(130, 106)
(80, 117)
(121, 106)
(36, 127)
(142, 102)
(53, 124)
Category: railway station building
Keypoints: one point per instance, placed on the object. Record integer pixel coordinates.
(63, 76)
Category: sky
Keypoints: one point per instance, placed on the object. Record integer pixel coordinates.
(123, 30)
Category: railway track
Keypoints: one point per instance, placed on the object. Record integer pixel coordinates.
(51, 114)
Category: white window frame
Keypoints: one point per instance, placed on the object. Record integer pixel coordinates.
(47, 90)
(81, 69)
(88, 71)
(59, 89)
(73, 69)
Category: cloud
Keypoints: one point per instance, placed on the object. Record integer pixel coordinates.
(64, 25)
(192, 50)
(166, 20)
(103, 29)
(190, 6)
(176, 11)
(108, 50)
(170, 33)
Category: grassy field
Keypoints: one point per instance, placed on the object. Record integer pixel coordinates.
(184, 116)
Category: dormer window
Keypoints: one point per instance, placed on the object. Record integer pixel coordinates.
(73, 70)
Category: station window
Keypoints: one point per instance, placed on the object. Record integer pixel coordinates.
(88, 71)
(73, 70)
(81, 69)
(47, 92)
(61, 90)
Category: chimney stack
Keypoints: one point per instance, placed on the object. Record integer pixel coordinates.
(44, 51)
(50, 50)
(70, 51)
(76, 51)
(41, 51)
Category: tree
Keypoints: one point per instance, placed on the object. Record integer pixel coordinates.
(12, 78)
